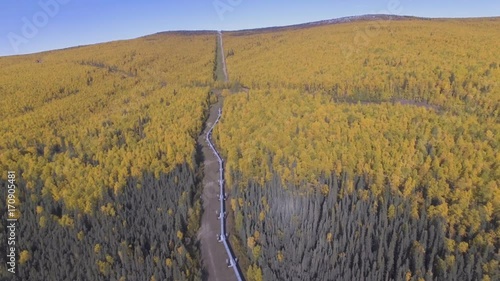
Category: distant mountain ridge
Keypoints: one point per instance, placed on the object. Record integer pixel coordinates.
(367, 17)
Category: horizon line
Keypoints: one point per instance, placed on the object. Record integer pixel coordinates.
(339, 20)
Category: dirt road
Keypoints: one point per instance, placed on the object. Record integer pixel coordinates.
(223, 56)
(213, 253)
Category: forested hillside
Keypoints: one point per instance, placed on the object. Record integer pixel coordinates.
(103, 140)
(337, 149)
(448, 63)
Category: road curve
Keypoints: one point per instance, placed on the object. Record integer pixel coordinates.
(214, 254)
(222, 237)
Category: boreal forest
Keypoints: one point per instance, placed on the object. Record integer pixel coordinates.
(363, 150)
(103, 139)
(366, 161)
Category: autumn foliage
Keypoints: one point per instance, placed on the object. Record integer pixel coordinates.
(413, 112)
(103, 140)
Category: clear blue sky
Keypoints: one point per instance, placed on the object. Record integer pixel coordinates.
(38, 25)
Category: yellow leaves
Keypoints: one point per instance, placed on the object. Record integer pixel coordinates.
(349, 186)
(256, 251)
(180, 235)
(135, 171)
(42, 222)
(24, 256)
(338, 167)
(251, 242)
(384, 147)
(489, 135)
(104, 267)
(395, 180)
(108, 209)
(488, 211)
(233, 204)
(66, 220)
(256, 235)
(415, 206)
(181, 250)
(254, 273)
(97, 248)
(109, 259)
(80, 235)
(82, 137)
(168, 262)
(238, 221)
(329, 237)
(382, 141)
(391, 213)
(450, 260)
(418, 247)
(409, 186)
(463, 247)
(262, 216)
(408, 276)
(440, 210)
(280, 257)
(450, 245)
(491, 266)
(418, 71)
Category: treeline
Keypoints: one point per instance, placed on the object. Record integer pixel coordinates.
(145, 232)
(340, 230)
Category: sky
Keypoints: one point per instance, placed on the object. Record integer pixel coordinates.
(30, 26)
